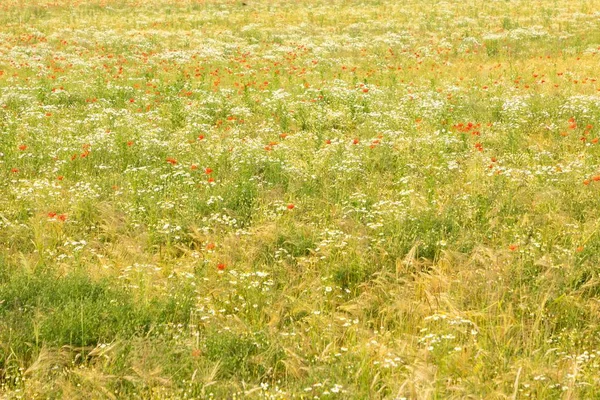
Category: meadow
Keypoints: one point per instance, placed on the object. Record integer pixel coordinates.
(312, 199)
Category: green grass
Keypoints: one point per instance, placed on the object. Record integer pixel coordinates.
(377, 199)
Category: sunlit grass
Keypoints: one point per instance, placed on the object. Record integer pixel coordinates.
(377, 199)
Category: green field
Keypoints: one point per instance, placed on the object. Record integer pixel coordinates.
(314, 199)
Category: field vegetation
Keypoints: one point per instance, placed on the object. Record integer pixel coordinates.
(299, 199)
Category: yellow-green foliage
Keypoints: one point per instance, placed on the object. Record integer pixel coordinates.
(299, 199)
